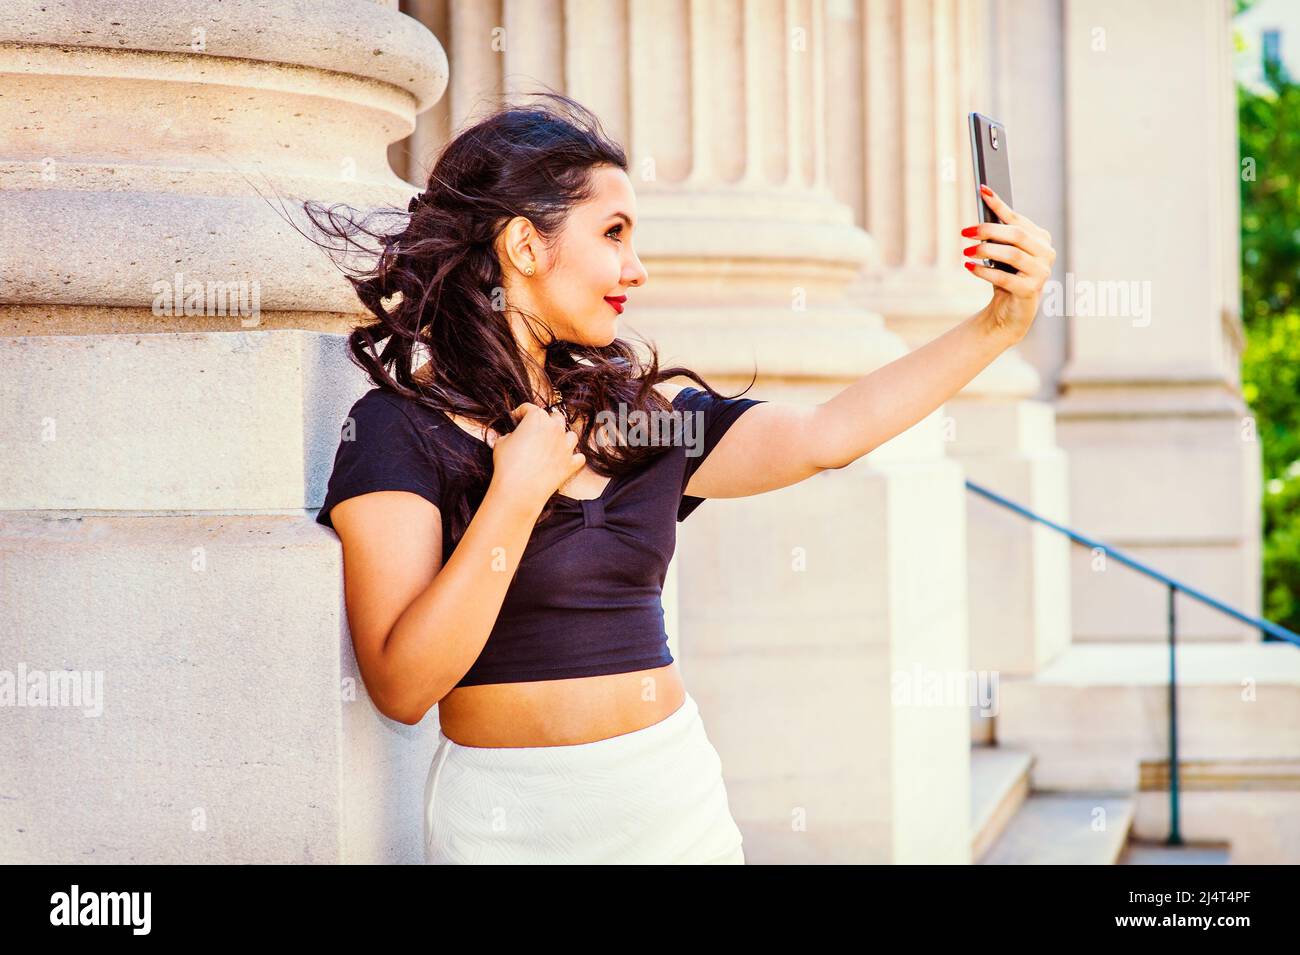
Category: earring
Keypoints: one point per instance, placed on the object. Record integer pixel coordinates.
(528, 271)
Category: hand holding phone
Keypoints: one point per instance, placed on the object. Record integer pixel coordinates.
(992, 166)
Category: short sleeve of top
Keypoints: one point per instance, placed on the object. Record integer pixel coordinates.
(380, 449)
(715, 417)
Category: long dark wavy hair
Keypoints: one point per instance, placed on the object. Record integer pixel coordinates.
(435, 276)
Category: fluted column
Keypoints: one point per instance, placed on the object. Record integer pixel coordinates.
(791, 631)
(170, 413)
(904, 162)
(923, 68)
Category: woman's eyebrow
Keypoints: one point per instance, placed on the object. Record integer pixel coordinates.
(624, 217)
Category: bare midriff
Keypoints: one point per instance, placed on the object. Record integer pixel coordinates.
(560, 712)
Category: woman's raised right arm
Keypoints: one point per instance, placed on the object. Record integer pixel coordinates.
(417, 627)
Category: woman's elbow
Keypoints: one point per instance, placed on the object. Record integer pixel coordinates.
(408, 720)
(409, 708)
(402, 709)
(393, 701)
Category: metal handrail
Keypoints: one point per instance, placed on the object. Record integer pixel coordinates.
(1267, 626)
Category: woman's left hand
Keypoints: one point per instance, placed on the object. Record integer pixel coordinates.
(1021, 244)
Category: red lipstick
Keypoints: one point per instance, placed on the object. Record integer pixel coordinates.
(616, 302)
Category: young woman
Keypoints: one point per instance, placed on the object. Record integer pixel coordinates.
(504, 549)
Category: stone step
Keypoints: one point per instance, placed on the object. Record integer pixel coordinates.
(1097, 711)
(1065, 829)
(1249, 804)
(999, 786)
(1155, 853)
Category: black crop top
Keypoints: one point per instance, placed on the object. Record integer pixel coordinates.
(586, 597)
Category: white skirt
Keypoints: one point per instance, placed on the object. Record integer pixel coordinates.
(652, 796)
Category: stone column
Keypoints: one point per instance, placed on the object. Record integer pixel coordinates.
(798, 608)
(170, 414)
(929, 67)
(1164, 459)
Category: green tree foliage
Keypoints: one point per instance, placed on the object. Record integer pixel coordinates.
(1269, 131)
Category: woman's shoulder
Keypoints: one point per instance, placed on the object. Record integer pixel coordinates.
(675, 394)
(383, 418)
(386, 398)
(384, 403)
(383, 446)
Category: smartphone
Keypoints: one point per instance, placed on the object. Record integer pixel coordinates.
(992, 165)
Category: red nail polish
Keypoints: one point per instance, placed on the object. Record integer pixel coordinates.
(970, 250)
(969, 231)
(985, 189)
(969, 265)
